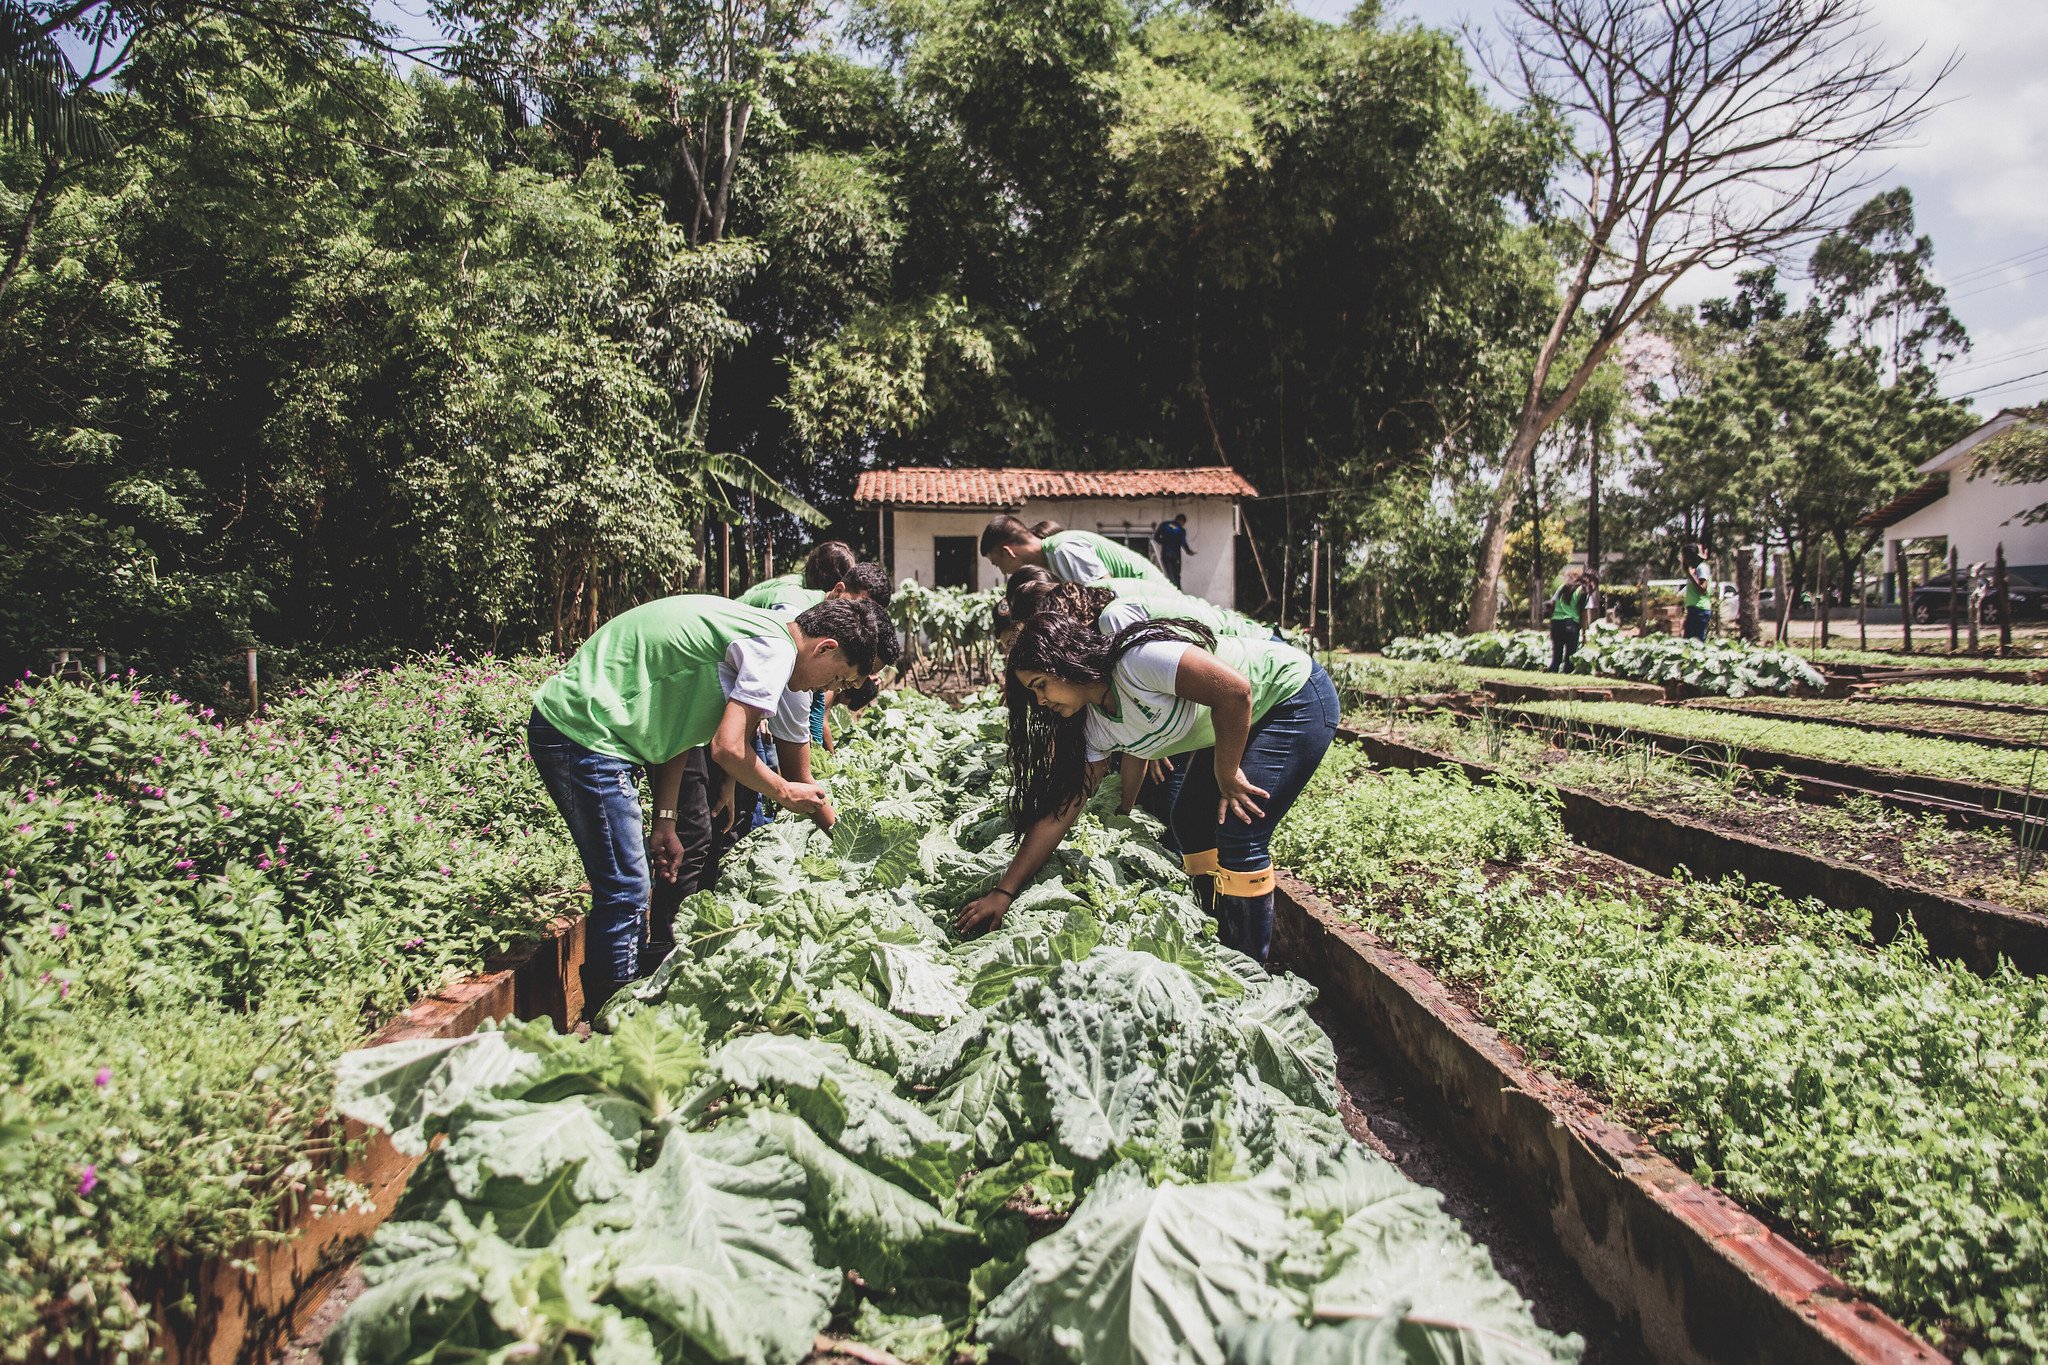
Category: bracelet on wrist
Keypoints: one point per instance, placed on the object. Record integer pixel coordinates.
(665, 815)
(1004, 890)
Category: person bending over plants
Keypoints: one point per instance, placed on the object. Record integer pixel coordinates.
(1109, 605)
(828, 563)
(1255, 718)
(1071, 556)
(1568, 616)
(649, 686)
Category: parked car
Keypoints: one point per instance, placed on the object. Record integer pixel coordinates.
(1930, 599)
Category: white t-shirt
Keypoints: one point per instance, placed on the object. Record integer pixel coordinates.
(1075, 561)
(1120, 613)
(1149, 720)
(755, 672)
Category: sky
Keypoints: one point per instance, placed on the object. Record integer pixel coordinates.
(1977, 166)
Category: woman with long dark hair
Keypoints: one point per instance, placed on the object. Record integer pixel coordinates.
(1255, 718)
(1110, 605)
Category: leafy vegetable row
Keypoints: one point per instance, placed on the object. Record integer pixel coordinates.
(1991, 864)
(196, 919)
(1092, 1135)
(1955, 760)
(1969, 689)
(1717, 667)
(1885, 1107)
(1901, 715)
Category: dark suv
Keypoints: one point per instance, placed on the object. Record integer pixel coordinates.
(1930, 599)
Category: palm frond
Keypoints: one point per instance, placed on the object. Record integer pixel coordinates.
(739, 472)
(38, 101)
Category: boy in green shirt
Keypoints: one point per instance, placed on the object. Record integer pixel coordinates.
(1071, 556)
(650, 685)
(1699, 593)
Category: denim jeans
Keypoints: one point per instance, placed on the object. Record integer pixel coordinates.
(1283, 752)
(1156, 798)
(1696, 619)
(599, 798)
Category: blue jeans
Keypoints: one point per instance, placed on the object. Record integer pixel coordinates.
(1156, 798)
(1696, 619)
(599, 798)
(1283, 752)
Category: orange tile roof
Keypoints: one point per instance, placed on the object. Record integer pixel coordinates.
(928, 487)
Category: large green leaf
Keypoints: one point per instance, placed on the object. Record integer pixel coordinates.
(920, 982)
(533, 1166)
(884, 847)
(708, 1246)
(410, 1088)
(1292, 1054)
(1140, 1274)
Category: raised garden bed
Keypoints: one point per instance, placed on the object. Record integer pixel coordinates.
(1751, 740)
(1995, 729)
(1976, 933)
(1703, 1280)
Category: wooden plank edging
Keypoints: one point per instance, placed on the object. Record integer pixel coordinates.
(1704, 1280)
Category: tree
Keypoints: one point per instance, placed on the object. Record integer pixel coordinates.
(1704, 133)
(1871, 278)
(2020, 455)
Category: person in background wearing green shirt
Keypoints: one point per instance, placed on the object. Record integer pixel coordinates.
(1568, 616)
(1072, 556)
(824, 568)
(1255, 718)
(651, 684)
(1699, 593)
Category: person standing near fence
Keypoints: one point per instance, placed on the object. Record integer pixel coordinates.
(1699, 593)
(1568, 616)
(1172, 538)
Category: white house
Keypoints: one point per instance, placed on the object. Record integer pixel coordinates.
(928, 521)
(1974, 516)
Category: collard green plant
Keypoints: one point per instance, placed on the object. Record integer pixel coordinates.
(842, 1114)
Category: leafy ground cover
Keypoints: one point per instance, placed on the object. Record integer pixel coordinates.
(1092, 1135)
(1926, 656)
(1921, 849)
(1716, 667)
(1955, 760)
(1968, 689)
(197, 918)
(1885, 1108)
(1899, 715)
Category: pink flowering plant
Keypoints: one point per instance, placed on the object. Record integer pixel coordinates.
(198, 917)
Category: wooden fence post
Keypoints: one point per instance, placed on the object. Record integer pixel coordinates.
(1955, 606)
(255, 691)
(1902, 567)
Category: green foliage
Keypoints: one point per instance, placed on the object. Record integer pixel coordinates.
(903, 1107)
(1956, 760)
(1715, 667)
(1883, 1106)
(2019, 455)
(1968, 689)
(211, 914)
(1908, 716)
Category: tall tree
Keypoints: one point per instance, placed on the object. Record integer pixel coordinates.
(1872, 278)
(1704, 132)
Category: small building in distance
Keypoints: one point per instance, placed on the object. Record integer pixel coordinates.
(928, 521)
(1973, 516)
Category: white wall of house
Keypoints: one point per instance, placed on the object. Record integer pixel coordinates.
(1210, 573)
(1976, 515)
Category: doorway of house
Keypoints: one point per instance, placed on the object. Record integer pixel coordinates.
(953, 562)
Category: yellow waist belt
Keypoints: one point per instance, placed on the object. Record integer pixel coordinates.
(1243, 885)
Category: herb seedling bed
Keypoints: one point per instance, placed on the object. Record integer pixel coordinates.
(2006, 803)
(1705, 1280)
(1976, 933)
(1881, 718)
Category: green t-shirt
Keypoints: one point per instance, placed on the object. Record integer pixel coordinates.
(654, 681)
(787, 591)
(1084, 557)
(1147, 718)
(1697, 596)
(1139, 599)
(1569, 603)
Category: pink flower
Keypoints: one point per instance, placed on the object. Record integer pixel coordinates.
(88, 1179)
(183, 863)
(104, 1077)
(112, 856)
(60, 931)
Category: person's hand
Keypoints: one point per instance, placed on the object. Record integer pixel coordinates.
(1237, 793)
(809, 800)
(727, 809)
(983, 914)
(665, 852)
